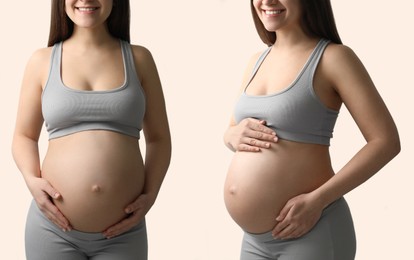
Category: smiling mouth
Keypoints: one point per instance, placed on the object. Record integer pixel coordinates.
(87, 9)
(273, 12)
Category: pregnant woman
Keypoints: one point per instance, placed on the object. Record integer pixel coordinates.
(95, 92)
(281, 188)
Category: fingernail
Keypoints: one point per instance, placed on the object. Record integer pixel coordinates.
(128, 210)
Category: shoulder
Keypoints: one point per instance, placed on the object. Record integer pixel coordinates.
(143, 60)
(40, 56)
(256, 56)
(37, 67)
(144, 64)
(141, 54)
(249, 69)
(253, 61)
(340, 62)
(339, 55)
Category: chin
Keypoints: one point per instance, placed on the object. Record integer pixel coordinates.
(271, 27)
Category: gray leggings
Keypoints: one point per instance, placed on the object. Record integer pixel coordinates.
(45, 241)
(332, 238)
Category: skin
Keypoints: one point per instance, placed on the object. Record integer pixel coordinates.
(291, 206)
(104, 169)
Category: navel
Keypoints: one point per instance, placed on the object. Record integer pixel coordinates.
(96, 188)
(233, 189)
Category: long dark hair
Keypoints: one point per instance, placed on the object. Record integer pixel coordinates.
(317, 20)
(61, 27)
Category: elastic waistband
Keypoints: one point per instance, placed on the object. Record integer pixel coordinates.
(262, 237)
(99, 236)
(267, 236)
(85, 235)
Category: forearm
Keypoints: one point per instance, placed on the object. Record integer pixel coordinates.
(368, 161)
(157, 161)
(26, 156)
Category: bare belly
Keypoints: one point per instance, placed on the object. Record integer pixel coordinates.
(258, 185)
(98, 173)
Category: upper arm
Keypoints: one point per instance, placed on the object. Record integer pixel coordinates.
(155, 119)
(359, 94)
(29, 119)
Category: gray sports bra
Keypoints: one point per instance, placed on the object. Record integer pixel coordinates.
(295, 113)
(67, 111)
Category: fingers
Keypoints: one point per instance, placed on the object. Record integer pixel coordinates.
(286, 229)
(249, 144)
(283, 221)
(284, 212)
(254, 135)
(255, 142)
(260, 135)
(136, 205)
(45, 192)
(54, 215)
(124, 225)
(290, 225)
(259, 127)
(250, 135)
(136, 211)
(248, 148)
(280, 227)
(290, 232)
(51, 191)
(262, 128)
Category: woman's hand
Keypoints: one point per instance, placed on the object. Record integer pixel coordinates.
(136, 210)
(298, 217)
(43, 193)
(250, 135)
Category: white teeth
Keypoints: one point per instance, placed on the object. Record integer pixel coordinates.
(270, 12)
(86, 9)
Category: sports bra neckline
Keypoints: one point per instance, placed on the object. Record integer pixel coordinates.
(289, 86)
(111, 90)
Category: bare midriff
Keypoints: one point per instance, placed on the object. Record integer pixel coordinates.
(98, 173)
(258, 185)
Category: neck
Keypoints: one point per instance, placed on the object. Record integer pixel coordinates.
(89, 37)
(291, 37)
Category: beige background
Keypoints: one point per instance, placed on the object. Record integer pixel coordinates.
(201, 48)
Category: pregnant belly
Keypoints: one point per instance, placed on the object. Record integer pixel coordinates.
(258, 185)
(96, 184)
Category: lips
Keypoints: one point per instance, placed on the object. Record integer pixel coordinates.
(273, 12)
(87, 9)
